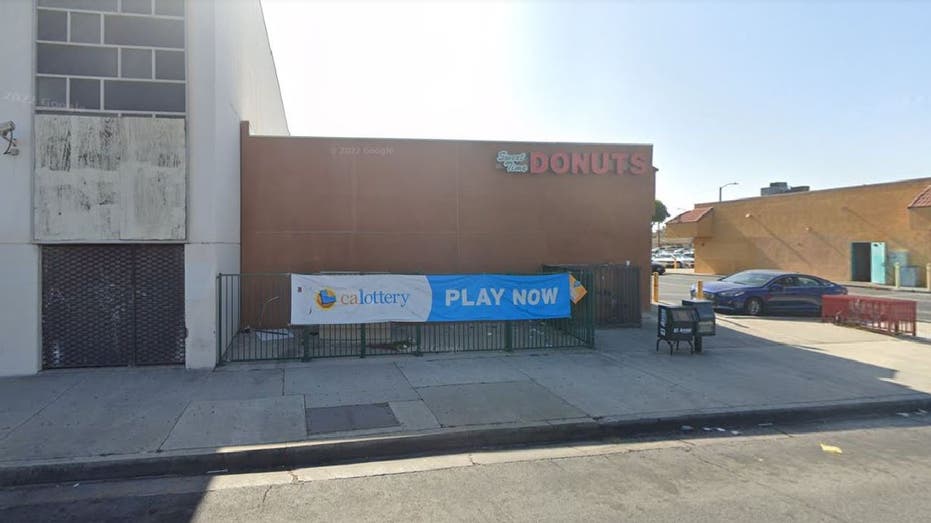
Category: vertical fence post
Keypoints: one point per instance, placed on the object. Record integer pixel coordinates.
(700, 290)
(362, 340)
(508, 336)
(219, 331)
(305, 343)
(418, 335)
(928, 276)
(590, 324)
(897, 274)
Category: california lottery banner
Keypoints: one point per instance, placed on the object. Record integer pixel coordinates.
(372, 298)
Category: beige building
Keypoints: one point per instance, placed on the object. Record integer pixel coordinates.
(845, 234)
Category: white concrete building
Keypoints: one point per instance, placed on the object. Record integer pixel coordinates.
(122, 204)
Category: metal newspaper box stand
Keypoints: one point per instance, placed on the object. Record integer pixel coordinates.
(676, 324)
(706, 320)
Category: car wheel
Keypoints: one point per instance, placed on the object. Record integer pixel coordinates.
(754, 307)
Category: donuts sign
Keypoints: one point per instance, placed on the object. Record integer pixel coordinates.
(618, 163)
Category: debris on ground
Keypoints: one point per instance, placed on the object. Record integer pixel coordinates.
(767, 424)
(735, 432)
(686, 428)
(831, 449)
(903, 414)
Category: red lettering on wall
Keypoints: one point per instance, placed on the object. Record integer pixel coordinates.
(565, 162)
(603, 167)
(559, 163)
(638, 163)
(620, 162)
(539, 163)
(580, 163)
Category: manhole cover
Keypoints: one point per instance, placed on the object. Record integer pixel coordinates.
(350, 417)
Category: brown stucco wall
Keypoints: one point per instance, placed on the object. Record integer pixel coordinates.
(433, 206)
(811, 232)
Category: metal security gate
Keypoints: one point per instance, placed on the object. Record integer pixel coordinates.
(112, 305)
(616, 292)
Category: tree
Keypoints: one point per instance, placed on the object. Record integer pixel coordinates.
(659, 216)
(659, 212)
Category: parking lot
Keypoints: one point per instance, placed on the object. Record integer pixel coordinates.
(674, 287)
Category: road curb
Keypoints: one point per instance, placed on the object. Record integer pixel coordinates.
(311, 454)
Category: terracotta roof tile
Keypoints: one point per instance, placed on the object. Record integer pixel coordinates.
(923, 199)
(691, 216)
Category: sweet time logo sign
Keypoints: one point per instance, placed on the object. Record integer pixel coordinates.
(535, 162)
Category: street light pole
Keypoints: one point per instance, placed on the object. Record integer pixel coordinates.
(723, 186)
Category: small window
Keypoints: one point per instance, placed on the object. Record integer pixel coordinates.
(52, 25)
(85, 27)
(51, 92)
(85, 94)
(137, 6)
(136, 63)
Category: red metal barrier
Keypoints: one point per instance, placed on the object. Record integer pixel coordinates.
(881, 314)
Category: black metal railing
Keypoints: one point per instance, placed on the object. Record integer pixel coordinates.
(254, 311)
(616, 292)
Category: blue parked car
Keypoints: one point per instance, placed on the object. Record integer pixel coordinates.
(757, 291)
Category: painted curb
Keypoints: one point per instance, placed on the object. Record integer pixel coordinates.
(284, 456)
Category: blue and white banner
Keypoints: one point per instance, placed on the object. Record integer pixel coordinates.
(373, 298)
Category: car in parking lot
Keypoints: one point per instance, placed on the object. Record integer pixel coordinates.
(757, 292)
(666, 260)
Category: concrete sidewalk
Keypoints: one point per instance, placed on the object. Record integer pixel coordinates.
(91, 418)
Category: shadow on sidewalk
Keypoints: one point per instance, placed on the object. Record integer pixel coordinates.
(749, 368)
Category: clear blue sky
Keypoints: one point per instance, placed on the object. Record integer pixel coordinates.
(824, 94)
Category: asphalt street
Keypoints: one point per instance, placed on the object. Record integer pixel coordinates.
(675, 287)
(874, 469)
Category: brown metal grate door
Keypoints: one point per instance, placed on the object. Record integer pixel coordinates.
(112, 305)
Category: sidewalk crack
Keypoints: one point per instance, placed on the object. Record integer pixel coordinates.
(47, 405)
(173, 425)
(407, 380)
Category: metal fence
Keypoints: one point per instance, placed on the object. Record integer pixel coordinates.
(887, 315)
(616, 292)
(254, 311)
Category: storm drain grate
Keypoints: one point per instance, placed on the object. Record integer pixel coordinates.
(350, 417)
